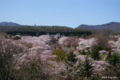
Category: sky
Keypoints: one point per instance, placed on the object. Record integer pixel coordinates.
(70, 13)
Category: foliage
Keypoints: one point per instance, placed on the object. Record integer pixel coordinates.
(106, 31)
(34, 70)
(68, 41)
(10, 69)
(29, 45)
(72, 48)
(117, 33)
(84, 35)
(87, 68)
(73, 70)
(8, 61)
(42, 30)
(112, 71)
(96, 77)
(95, 52)
(60, 53)
(113, 38)
(74, 43)
(83, 52)
(109, 56)
(7, 35)
(103, 41)
(17, 37)
(91, 36)
(71, 57)
(115, 59)
(71, 34)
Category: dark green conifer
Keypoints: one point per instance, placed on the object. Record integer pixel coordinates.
(87, 68)
(115, 59)
(95, 53)
(83, 52)
(109, 55)
(71, 57)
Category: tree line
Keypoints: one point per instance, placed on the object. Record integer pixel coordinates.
(42, 30)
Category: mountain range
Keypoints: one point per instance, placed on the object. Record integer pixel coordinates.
(111, 25)
(9, 24)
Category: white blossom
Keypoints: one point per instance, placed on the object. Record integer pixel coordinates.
(115, 45)
(62, 39)
(86, 43)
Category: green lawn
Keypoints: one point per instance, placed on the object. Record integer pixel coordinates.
(79, 53)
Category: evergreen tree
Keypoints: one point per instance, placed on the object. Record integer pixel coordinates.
(96, 77)
(95, 53)
(83, 52)
(109, 55)
(73, 69)
(71, 57)
(115, 59)
(87, 68)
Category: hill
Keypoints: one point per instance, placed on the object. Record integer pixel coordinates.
(9, 24)
(111, 25)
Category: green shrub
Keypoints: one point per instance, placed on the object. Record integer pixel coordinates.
(7, 35)
(60, 53)
(17, 37)
(84, 35)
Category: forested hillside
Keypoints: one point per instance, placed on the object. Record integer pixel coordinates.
(112, 25)
(42, 30)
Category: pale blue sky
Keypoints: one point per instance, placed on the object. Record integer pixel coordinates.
(69, 13)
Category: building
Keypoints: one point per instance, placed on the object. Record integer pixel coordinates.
(53, 35)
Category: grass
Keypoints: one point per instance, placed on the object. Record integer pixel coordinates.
(79, 53)
(89, 55)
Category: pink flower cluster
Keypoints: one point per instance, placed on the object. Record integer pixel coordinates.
(67, 43)
(61, 40)
(97, 65)
(40, 47)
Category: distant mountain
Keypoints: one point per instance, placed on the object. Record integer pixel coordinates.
(111, 25)
(9, 24)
